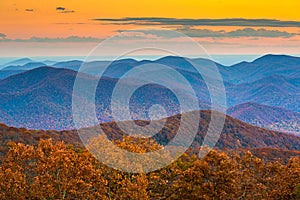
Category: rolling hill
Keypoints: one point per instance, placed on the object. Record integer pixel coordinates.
(235, 135)
(279, 91)
(274, 118)
(7, 73)
(39, 98)
(42, 98)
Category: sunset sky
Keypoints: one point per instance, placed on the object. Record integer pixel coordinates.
(56, 27)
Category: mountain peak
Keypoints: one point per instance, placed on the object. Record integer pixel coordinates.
(21, 61)
(275, 58)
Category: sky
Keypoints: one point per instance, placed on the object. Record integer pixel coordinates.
(75, 27)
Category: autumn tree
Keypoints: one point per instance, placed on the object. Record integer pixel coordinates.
(60, 171)
(50, 172)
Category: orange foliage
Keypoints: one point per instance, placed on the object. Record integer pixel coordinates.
(60, 171)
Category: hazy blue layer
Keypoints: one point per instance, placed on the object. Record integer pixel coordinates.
(222, 59)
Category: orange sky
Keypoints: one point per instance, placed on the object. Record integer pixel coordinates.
(42, 19)
(45, 20)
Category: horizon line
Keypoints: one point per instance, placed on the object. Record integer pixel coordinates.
(252, 58)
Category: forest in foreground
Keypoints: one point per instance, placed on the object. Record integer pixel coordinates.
(55, 170)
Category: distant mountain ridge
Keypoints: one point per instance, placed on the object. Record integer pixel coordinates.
(244, 72)
(268, 65)
(21, 61)
(275, 90)
(27, 66)
(274, 118)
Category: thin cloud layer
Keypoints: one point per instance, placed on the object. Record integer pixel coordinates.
(206, 33)
(201, 22)
(2, 35)
(246, 32)
(68, 11)
(51, 40)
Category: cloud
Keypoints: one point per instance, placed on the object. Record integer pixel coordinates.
(29, 10)
(70, 39)
(202, 22)
(60, 8)
(2, 35)
(156, 33)
(206, 33)
(246, 32)
(68, 11)
(64, 10)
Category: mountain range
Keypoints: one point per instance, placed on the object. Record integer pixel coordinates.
(264, 92)
(236, 135)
